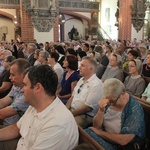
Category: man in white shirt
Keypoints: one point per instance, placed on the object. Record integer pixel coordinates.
(88, 91)
(47, 123)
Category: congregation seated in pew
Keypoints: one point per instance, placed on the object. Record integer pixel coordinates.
(42, 126)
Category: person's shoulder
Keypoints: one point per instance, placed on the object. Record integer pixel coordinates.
(94, 79)
(61, 109)
(76, 74)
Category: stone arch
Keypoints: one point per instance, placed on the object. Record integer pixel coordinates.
(77, 15)
(8, 15)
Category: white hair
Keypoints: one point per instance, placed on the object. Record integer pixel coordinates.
(32, 46)
(113, 88)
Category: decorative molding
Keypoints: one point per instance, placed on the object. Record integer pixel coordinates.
(78, 5)
(138, 13)
(117, 15)
(43, 19)
(9, 3)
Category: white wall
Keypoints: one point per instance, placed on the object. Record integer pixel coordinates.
(9, 11)
(109, 26)
(135, 34)
(69, 25)
(10, 26)
(86, 14)
(43, 37)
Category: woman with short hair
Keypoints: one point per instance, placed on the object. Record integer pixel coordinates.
(119, 122)
(43, 57)
(70, 78)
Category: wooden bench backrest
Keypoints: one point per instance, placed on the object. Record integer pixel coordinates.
(146, 107)
(85, 138)
(147, 80)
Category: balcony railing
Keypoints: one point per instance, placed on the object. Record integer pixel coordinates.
(9, 3)
(79, 5)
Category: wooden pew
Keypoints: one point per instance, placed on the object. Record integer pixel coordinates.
(147, 80)
(146, 107)
(85, 138)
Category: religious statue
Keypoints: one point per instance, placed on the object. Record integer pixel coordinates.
(73, 34)
(4, 37)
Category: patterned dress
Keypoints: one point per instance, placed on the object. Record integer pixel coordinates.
(132, 122)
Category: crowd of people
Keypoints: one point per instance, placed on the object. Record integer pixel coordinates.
(49, 89)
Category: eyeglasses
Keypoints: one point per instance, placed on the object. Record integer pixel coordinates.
(79, 90)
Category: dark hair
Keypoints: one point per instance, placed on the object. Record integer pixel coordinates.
(45, 75)
(134, 53)
(47, 43)
(10, 58)
(92, 47)
(107, 42)
(99, 49)
(37, 51)
(82, 54)
(110, 47)
(41, 44)
(86, 44)
(71, 51)
(60, 49)
(72, 62)
(22, 64)
(55, 56)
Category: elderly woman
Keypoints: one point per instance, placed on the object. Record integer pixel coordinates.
(135, 84)
(114, 69)
(119, 121)
(43, 57)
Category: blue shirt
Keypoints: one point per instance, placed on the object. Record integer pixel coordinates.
(18, 104)
(66, 84)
